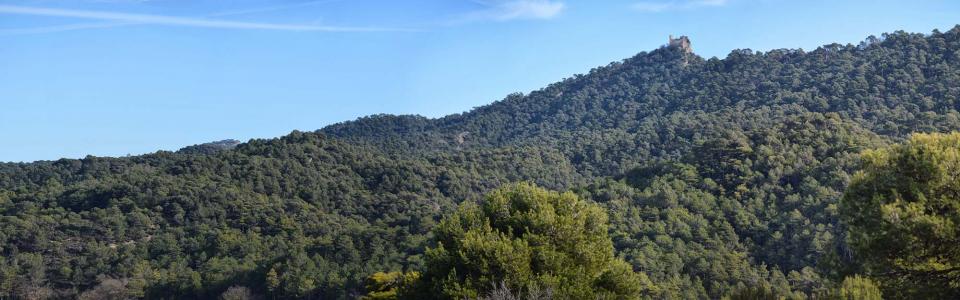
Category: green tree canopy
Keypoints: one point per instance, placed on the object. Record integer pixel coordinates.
(903, 212)
(529, 238)
(856, 288)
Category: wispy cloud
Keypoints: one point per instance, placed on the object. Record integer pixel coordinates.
(61, 28)
(661, 6)
(505, 10)
(113, 24)
(270, 8)
(128, 18)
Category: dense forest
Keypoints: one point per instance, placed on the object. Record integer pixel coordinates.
(710, 178)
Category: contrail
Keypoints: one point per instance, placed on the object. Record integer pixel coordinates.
(171, 20)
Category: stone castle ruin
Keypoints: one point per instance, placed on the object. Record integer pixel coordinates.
(681, 42)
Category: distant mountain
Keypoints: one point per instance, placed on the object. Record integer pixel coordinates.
(718, 174)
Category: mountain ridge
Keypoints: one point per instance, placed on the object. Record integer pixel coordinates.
(659, 56)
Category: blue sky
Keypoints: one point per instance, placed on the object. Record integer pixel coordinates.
(117, 77)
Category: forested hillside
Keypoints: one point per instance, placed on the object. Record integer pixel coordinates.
(716, 175)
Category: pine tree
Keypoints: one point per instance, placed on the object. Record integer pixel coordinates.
(903, 212)
(528, 238)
